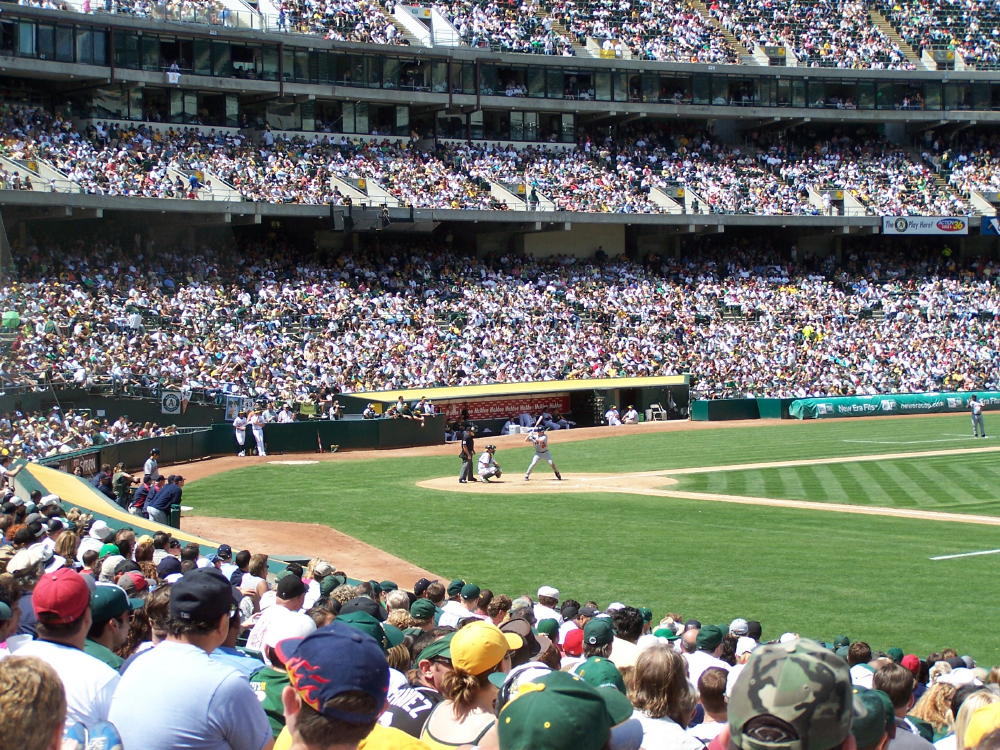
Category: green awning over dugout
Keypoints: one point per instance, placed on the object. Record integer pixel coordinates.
(521, 389)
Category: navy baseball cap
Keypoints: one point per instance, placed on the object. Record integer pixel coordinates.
(201, 595)
(333, 660)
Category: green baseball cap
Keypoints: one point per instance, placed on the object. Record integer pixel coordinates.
(598, 632)
(600, 672)
(109, 602)
(709, 637)
(109, 549)
(368, 625)
(388, 586)
(423, 609)
(560, 711)
(840, 641)
(873, 717)
(548, 627)
(895, 653)
(803, 686)
(455, 587)
(470, 591)
(667, 633)
(329, 583)
(647, 614)
(440, 647)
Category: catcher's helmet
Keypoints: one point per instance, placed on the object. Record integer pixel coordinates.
(491, 447)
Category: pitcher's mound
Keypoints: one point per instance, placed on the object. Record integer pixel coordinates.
(547, 483)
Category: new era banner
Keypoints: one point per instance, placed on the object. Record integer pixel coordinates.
(899, 403)
(925, 225)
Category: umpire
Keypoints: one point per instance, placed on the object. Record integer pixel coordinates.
(468, 456)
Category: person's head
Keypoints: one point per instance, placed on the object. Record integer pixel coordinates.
(32, 704)
(161, 539)
(432, 660)
(397, 599)
(709, 639)
(435, 592)
(242, 560)
(598, 636)
(66, 545)
(201, 603)
(498, 608)
(548, 596)
(257, 565)
(628, 623)
(970, 705)
(874, 721)
(339, 679)
(859, 652)
(559, 711)
(476, 651)
(61, 601)
(470, 596)
(689, 640)
(897, 682)
(191, 552)
(658, 685)
(984, 723)
(111, 610)
(792, 696)
(291, 592)
(712, 691)
(934, 705)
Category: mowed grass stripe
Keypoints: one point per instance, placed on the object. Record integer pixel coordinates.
(908, 486)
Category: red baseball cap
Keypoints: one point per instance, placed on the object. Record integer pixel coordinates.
(60, 597)
(573, 643)
(911, 662)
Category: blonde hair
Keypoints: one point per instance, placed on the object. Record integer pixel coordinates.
(658, 685)
(993, 677)
(258, 566)
(970, 705)
(66, 545)
(462, 688)
(399, 657)
(934, 706)
(344, 593)
(32, 705)
(400, 618)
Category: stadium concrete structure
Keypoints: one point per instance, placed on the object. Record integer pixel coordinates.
(242, 70)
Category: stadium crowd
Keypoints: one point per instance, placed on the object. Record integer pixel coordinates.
(245, 322)
(823, 33)
(970, 28)
(507, 27)
(601, 174)
(362, 21)
(94, 618)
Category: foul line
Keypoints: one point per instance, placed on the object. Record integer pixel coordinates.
(966, 554)
(909, 442)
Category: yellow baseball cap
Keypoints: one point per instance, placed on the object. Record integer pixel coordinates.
(983, 721)
(480, 646)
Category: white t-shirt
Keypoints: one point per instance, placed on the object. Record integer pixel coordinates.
(546, 613)
(268, 618)
(664, 733)
(698, 662)
(706, 731)
(89, 682)
(451, 613)
(176, 697)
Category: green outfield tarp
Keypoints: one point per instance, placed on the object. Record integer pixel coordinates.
(888, 404)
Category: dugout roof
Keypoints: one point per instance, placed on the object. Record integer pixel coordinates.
(522, 389)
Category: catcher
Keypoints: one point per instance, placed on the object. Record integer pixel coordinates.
(488, 467)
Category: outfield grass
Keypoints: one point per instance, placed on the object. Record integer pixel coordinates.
(814, 572)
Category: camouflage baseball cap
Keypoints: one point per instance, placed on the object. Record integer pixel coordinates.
(791, 696)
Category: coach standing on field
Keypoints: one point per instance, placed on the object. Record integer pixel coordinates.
(976, 409)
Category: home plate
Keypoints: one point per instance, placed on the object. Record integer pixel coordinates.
(293, 463)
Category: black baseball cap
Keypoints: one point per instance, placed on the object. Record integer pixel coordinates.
(225, 552)
(201, 595)
(290, 587)
(366, 605)
(168, 566)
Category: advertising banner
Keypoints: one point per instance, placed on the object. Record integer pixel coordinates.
(940, 225)
(989, 225)
(501, 407)
(170, 402)
(89, 464)
(875, 406)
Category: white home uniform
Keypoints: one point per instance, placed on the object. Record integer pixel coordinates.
(488, 467)
(976, 410)
(240, 431)
(612, 418)
(257, 427)
(541, 441)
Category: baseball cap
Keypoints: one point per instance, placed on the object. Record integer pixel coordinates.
(911, 662)
(386, 636)
(983, 721)
(805, 691)
(548, 627)
(569, 612)
(108, 602)
(739, 626)
(559, 711)
(133, 582)
(292, 625)
(895, 653)
(364, 604)
(60, 597)
(709, 637)
(201, 595)
(647, 614)
(290, 587)
(388, 585)
(225, 552)
(600, 673)
(422, 609)
(481, 646)
(109, 548)
(588, 611)
(598, 632)
(873, 717)
(455, 587)
(548, 591)
(745, 645)
(440, 647)
(333, 660)
(169, 565)
(573, 643)
(30, 558)
(329, 583)
(669, 633)
(470, 591)
(100, 530)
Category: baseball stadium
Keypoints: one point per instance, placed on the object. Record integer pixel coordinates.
(591, 324)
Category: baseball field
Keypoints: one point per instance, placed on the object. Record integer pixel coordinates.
(881, 529)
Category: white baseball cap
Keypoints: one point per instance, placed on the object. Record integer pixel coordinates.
(548, 591)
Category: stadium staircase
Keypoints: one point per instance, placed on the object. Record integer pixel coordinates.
(746, 58)
(403, 31)
(885, 26)
(558, 27)
(44, 177)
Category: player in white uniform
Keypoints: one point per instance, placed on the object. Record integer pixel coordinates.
(541, 441)
(488, 467)
(611, 417)
(240, 431)
(631, 416)
(976, 409)
(257, 422)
